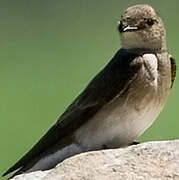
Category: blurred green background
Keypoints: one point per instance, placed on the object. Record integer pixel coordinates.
(49, 51)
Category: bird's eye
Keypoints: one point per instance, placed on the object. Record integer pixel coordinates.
(150, 22)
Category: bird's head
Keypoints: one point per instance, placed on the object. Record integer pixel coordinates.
(141, 27)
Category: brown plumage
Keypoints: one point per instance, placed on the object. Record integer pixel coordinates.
(120, 103)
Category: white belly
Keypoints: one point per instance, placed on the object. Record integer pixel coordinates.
(115, 127)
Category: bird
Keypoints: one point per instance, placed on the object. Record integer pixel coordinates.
(119, 103)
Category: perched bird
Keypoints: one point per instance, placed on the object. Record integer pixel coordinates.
(120, 103)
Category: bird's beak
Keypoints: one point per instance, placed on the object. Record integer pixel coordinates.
(125, 27)
(129, 28)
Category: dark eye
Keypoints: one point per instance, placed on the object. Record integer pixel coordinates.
(150, 22)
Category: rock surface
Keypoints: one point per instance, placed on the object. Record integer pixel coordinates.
(146, 161)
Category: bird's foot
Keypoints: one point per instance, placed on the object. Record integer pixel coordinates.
(105, 146)
(135, 143)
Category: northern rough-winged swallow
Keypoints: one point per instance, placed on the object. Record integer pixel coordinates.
(120, 103)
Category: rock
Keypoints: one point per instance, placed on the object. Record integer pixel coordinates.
(32, 176)
(146, 161)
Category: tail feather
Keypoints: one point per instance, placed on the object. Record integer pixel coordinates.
(47, 160)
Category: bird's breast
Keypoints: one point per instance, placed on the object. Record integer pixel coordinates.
(128, 115)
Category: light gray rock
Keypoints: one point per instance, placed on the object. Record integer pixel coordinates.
(146, 161)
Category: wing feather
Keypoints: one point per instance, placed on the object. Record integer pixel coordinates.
(103, 88)
(173, 69)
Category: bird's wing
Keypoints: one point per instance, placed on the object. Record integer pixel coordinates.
(111, 81)
(173, 69)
